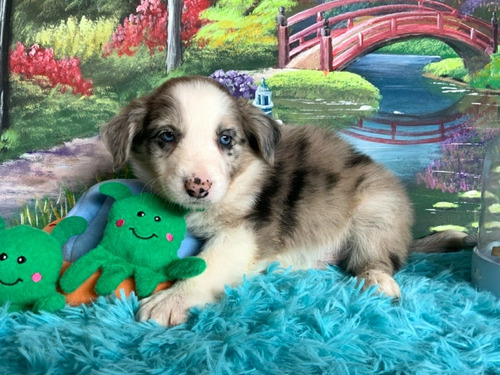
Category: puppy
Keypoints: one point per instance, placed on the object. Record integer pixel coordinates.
(260, 192)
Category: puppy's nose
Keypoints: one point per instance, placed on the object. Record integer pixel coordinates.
(197, 187)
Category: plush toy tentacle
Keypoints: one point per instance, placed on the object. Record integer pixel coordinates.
(115, 190)
(71, 226)
(112, 276)
(13, 307)
(82, 269)
(146, 281)
(50, 304)
(185, 267)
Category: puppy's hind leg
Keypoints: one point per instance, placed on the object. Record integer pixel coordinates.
(376, 249)
(374, 265)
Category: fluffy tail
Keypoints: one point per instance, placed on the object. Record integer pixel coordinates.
(444, 242)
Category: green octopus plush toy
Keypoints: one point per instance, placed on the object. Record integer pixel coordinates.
(140, 240)
(30, 263)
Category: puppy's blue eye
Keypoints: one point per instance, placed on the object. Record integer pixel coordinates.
(225, 140)
(167, 137)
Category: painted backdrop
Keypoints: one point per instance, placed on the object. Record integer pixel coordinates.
(73, 64)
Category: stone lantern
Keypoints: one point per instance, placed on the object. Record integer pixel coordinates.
(263, 98)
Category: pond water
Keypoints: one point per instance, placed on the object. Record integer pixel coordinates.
(432, 134)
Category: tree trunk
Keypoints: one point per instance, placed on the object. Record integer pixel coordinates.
(5, 17)
(174, 48)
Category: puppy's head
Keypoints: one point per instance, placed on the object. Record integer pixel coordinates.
(190, 139)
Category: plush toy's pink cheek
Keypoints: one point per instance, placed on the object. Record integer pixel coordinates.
(120, 223)
(36, 277)
(170, 238)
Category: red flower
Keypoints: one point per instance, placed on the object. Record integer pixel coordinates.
(149, 26)
(38, 65)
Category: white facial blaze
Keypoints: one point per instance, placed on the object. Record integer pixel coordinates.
(197, 155)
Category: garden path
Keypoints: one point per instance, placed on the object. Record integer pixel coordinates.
(74, 165)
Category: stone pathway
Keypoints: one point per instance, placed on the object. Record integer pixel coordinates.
(74, 165)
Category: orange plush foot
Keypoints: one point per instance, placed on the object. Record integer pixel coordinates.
(85, 293)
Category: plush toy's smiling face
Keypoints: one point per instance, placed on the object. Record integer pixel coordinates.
(144, 231)
(30, 260)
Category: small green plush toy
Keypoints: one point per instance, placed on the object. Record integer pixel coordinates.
(141, 240)
(30, 263)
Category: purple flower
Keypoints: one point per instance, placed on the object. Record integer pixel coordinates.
(240, 85)
(461, 163)
(469, 6)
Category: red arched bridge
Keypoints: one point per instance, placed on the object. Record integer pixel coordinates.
(336, 37)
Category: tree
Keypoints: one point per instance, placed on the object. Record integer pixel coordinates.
(244, 25)
(5, 17)
(174, 47)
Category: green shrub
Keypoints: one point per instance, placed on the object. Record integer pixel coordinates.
(29, 16)
(127, 77)
(205, 61)
(420, 46)
(9, 139)
(453, 68)
(309, 84)
(489, 77)
(44, 118)
(242, 24)
(73, 38)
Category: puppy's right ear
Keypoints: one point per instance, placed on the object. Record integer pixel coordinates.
(120, 131)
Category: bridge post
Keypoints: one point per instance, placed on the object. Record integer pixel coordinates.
(283, 39)
(325, 47)
(494, 26)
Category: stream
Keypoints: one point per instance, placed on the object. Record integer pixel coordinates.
(432, 134)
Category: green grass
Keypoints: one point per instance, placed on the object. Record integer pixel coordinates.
(44, 118)
(309, 84)
(45, 211)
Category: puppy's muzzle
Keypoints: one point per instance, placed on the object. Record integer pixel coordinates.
(197, 188)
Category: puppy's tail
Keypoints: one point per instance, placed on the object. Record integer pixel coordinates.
(444, 242)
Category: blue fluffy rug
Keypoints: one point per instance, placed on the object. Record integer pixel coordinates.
(313, 322)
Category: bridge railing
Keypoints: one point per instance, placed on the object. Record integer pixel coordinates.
(305, 14)
(372, 32)
(291, 43)
(303, 39)
(288, 41)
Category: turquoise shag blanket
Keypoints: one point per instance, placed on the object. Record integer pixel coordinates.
(283, 322)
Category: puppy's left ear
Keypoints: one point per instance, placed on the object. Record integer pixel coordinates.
(263, 133)
(119, 132)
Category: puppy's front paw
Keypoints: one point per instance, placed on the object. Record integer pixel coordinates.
(169, 307)
(385, 282)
